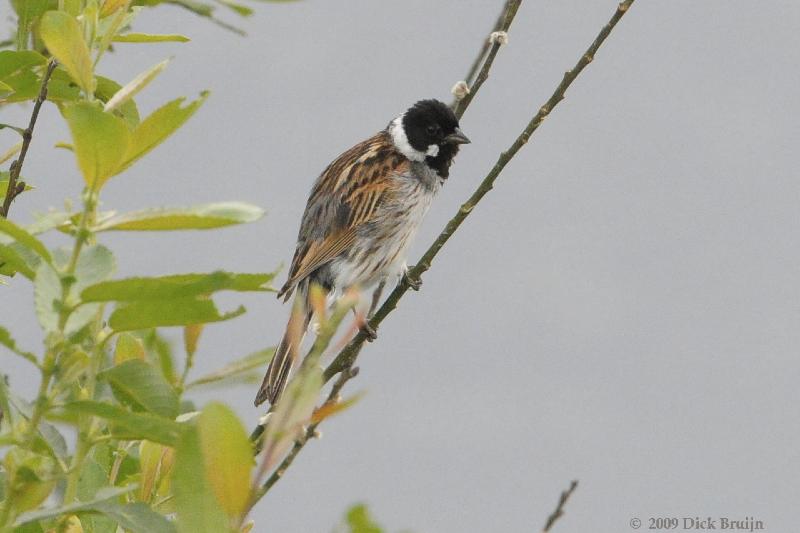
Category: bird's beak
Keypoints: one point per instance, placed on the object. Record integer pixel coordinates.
(457, 137)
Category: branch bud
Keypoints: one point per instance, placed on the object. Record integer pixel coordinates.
(498, 37)
(460, 90)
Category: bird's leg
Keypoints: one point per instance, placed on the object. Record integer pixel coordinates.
(368, 330)
(376, 298)
(405, 277)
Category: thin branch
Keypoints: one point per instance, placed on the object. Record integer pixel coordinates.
(343, 363)
(14, 189)
(559, 510)
(348, 355)
(478, 61)
(311, 432)
(509, 12)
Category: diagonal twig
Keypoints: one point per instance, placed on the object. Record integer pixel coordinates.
(344, 361)
(14, 188)
(559, 510)
(347, 356)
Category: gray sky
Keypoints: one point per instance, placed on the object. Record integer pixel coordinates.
(623, 308)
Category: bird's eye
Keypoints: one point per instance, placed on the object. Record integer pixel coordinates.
(433, 129)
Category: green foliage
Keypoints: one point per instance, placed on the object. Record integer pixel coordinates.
(142, 387)
(128, 425)
(248, 369)
(175, 286)
(144, 460)
(227, 458)
(164, 313)
(63, 37)
(208, 216)
(150, 38)
(197, 507)
(101, 141)
(360, 521)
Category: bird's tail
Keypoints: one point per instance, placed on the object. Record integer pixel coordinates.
(285, 354)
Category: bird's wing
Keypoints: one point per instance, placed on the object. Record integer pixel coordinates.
(345, 197)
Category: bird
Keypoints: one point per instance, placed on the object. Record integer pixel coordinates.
(362, 214)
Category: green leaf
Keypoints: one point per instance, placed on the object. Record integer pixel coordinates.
(63, 37)
(9, 342)
(110, 6)
(28, 11)
(12, 62)
(5, 407)
(106, 89)
(93, 478)
(20, 131)
(48, 221)
(237, 370)
(198, 508)
(11, 261)
(133, 517)
(61, 88)
(11, 152)
(134, 86)
(159, 125)
(25, 84)
(128, 348)
(47, 297)
(175, 312)
(207, 216)
(103, 495)
(130, 426)
(191, 337)
(360, 521)
(159, 351)
(175, 286)
(141, 386)
(101, 141)
(48, 440)
(23, 237)
(155, 464)
(150, 38)
(95, 264)
(227, 457)
(293, 411)
(4, 177)
(238, 8)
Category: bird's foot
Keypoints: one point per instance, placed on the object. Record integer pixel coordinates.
(413, 283)
(369, 331)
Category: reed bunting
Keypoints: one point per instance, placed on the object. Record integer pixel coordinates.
(362, 215)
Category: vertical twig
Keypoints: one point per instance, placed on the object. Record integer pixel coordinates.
(478, 61)
(15, 189)
(494, 44)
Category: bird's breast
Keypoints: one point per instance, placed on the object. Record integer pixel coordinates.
(380, 249)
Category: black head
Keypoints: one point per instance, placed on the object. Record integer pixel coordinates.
(430, 122)
(431, 129)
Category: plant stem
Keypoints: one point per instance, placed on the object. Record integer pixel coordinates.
(84, 442)
(40, 405)
(13, 190)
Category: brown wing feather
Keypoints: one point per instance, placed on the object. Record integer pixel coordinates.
(346, 196)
